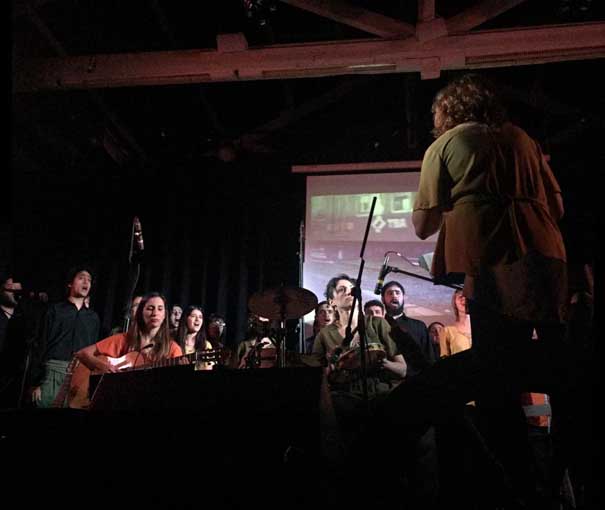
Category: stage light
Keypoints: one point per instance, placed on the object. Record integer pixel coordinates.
(259, 10)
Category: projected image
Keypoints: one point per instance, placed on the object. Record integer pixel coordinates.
(344, 217)
(337, 213)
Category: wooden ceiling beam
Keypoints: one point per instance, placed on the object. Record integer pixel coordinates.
(481, 49)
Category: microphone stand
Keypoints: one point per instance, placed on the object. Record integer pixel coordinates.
(134, 262)
(301, 263)
(29, 342)
(361, 325)
(29, 315)
(281, 335)
(392, 269)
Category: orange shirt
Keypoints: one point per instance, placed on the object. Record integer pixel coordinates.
(117, 345)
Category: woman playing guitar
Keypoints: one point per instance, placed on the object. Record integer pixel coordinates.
(147, 335)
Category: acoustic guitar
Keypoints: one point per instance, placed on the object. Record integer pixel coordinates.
(59, 400)
(78, 397)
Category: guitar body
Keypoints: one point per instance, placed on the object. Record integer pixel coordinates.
(80, 379)
(78, 398)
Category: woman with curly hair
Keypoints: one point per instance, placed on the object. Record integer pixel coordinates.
(487, 189)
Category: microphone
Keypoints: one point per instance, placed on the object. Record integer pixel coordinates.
(138, 233)
(134, 364)
(384, 270)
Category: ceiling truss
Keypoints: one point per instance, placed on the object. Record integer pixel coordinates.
(432, 46)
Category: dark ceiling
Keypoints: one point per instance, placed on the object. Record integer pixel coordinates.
(324, 119)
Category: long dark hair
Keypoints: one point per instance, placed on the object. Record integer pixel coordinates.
(181, 333)
(470, 98)
(161, 340)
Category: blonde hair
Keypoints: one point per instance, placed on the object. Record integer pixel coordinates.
(457, 292)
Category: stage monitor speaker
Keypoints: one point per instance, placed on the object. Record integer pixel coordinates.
(258, 411)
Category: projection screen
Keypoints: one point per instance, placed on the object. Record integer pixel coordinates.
(337, 210)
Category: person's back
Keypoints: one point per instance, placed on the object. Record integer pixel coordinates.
(522, 161)
(485, 187)
(525, 177)
(504, 167)
(500, 219)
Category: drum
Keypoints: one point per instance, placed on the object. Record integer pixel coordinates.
(351, 360)
(263, 357)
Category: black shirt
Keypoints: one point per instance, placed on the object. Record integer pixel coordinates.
(419, 332)
(65, 330)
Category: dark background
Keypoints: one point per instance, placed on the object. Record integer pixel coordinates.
(220, 209)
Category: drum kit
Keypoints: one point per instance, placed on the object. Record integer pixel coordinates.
(282, 304)
(286, 303)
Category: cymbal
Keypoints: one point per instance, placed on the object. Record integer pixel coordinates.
(282, 303)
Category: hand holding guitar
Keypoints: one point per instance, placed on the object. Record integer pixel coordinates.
(98, 364)
(107, 367)
(36, 394)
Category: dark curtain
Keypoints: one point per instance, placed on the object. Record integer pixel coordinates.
(214, 233)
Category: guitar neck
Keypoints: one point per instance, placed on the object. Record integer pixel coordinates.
(62, 393)
(59, 399)
(203, 355)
